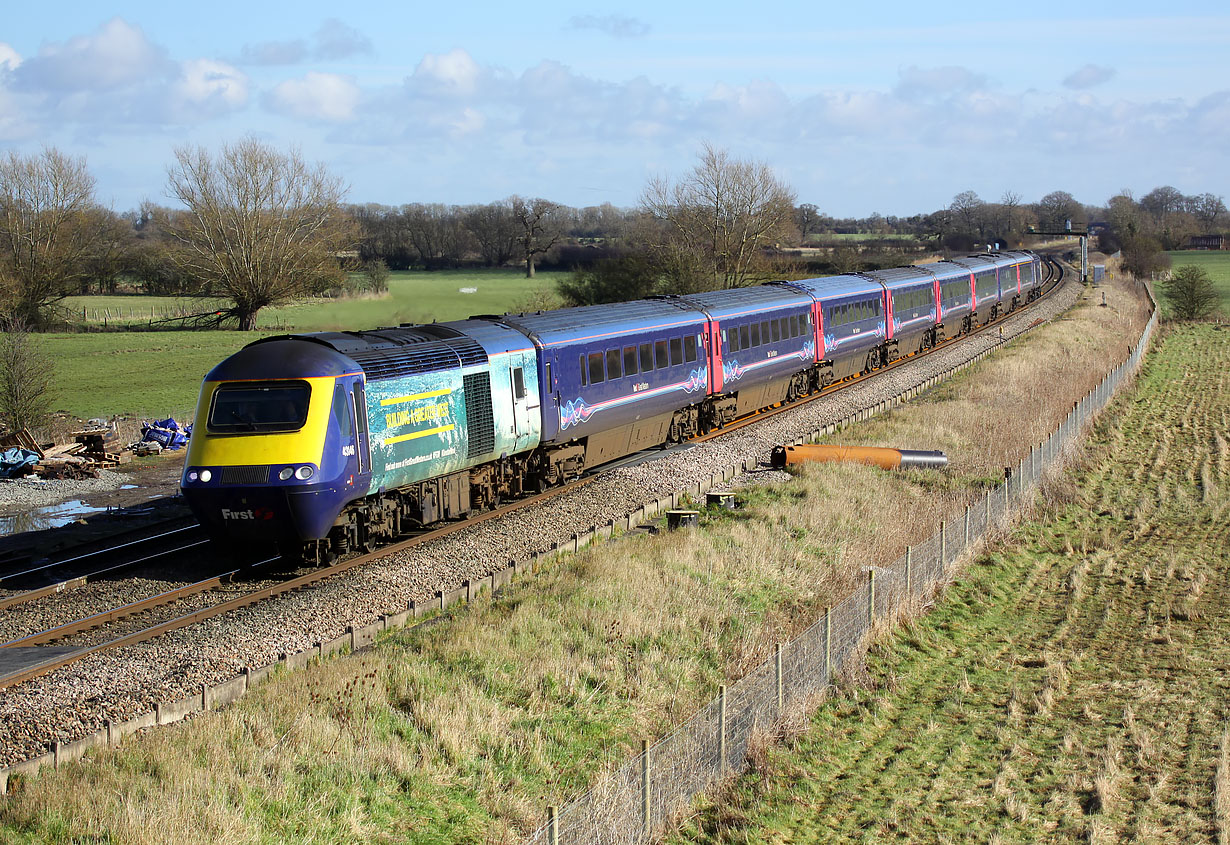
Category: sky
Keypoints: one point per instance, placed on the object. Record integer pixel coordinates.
(888, 107)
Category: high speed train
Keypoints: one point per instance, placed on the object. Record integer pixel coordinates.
(332, 441)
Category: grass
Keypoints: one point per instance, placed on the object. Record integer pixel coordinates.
(1070, 685)
(159, 373)
(1215, 262)
(417, 297)
(466, 731)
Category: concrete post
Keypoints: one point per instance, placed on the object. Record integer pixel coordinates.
(871, 598)
(777, 666)
(552, 832)
(722, 728)
(909, 567)
(828, 644)
(645, 786)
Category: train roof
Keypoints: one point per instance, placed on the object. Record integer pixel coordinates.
(827, 287)
(977, 263)
(900, 277)
(946, 271)
(281, 357)
(395, 351)
(721, 304)
(590, 322)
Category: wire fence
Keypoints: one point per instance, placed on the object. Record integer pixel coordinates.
(640, 797)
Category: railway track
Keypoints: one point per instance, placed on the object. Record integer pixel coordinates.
(232, 578)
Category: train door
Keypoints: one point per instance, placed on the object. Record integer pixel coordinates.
(348, 433)
(522, 426)
(362, 439)
(713, 342)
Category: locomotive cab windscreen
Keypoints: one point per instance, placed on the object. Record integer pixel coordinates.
(265, 408)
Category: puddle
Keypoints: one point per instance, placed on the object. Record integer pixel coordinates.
(52, 516)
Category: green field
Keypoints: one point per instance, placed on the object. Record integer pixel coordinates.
(1071, 686)
(413, 297)
(159, 373)
(1215, 262)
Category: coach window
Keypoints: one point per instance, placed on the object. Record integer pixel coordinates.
(689, 348)
(518, 383)
(794, 325)
(776, 326)
(629, 360)
(646, 357)
(676, 351)
(584, 379)
(661, 361)
(613, 369)
(745, 337)
(734, 340)
(755, 334)
(595, 368)
(764, 332)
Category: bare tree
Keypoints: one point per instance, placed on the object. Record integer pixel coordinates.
(968, 208)
(44, 238)
(437, 233)
(541, 227)
(262, 226)
(496, 230)
(1190, 293)
(807, 218)
(718, 218)
(1009, 203)
(1056, 209)
(25, 377)
(1207, 209)
(1162, 202)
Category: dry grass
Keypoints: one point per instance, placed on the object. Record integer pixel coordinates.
(1071, 686)
(467, 730)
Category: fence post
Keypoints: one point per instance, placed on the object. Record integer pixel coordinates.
(828, 644)
(777, 665)
(966, 547)
(909, 574)
(552, 833)
(722, 728)
(987, 499)
(871, 597)
(943, 546)
(645, 784)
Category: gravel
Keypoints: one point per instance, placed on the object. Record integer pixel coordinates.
(20, 494)
(119, 685)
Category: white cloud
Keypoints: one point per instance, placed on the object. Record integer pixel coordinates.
(114, 56)
(454, 73)
(1088, 76)
(937, 82)
(332, 41)
(337, 40)
(9, 58)
(212, 85)
(316, 96)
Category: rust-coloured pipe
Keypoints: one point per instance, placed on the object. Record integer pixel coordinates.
(784, 456)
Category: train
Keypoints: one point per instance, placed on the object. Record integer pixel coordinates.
(330, 442)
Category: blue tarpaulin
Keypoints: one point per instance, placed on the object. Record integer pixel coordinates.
(16, 463)
(166, 433)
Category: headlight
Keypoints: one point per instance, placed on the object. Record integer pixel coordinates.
(286, 473)
(206, 475)
(192, 476)
(304, 473)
